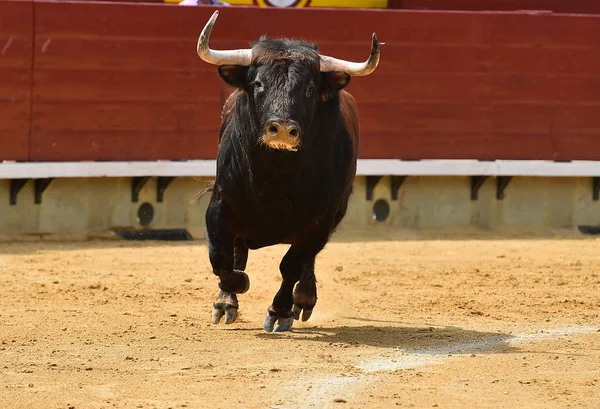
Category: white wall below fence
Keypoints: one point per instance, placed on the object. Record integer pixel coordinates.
(435, 201)
(100, 205)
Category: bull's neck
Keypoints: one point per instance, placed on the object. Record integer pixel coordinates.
(267, 161)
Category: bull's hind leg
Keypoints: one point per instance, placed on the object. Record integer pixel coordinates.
(305, 293)
(297, 266)
(228, 261)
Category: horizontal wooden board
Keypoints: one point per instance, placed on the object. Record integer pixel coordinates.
(578, 119)
(543, 60)
(125, 130)
(415, 145)
(124, 145)
(559, 6)
(127, 117)
(16, 37)
(441, 117)
(569, 144)
(117, 54)
(534, 89)
(407, 87)
(495, 117)
(547, 89)
(14, 129)
(132, 85)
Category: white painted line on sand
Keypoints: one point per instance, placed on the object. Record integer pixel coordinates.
(320, 392)
(429, 356)
(551, 333)
(435, 355)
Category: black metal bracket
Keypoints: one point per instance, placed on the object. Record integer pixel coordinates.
(40, 186)
(501, 184)
(476, 182)
(15, 187)
(137, 183)
(371, 183)
(596, 188)
(162, 182)
(397, 182)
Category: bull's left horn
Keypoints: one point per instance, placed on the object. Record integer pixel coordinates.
(217, 57)
(355, 69)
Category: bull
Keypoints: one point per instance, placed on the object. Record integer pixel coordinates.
(288, 147)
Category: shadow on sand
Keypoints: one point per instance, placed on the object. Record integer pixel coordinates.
(430, 340)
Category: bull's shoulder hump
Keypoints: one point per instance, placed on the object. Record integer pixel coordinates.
(349, 112)
(348, 104)
(229, 104)
(227, 113)
(346, 96)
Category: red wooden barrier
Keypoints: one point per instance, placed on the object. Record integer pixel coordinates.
(16, 31)
(123, 82)
(557, 6)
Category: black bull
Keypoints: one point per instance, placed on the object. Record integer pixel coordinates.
(288, 147)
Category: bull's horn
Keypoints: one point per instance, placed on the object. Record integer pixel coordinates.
(217, 57)
(355, 69)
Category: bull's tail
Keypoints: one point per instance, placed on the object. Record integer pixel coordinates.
(202, 192)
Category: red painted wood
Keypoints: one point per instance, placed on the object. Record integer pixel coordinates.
(558, 6)
(102, 94)
(16, 30)
(123, 81)
(414, 145)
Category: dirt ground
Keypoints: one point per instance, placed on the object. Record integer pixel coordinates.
(404, 319)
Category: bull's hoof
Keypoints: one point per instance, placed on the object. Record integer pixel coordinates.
(226, 305)
(238, 283)
(306, 313)
(304, 301)
(283, 319)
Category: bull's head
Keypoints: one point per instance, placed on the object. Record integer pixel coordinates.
(285, 81)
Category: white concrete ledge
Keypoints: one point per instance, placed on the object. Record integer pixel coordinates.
(198, 168)
(35, 170)
(478, 168)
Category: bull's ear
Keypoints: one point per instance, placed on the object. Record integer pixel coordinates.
(333, 82)
(234, 75)
(337, 80)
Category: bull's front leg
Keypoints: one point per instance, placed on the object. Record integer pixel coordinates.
(297, 266)
(228, 260)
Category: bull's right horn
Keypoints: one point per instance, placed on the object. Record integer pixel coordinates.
(355, 69)
(217, 57)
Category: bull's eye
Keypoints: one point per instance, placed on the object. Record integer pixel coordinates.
(258, 86)
(309, 91)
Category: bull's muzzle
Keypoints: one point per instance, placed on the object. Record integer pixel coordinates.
(282, 134)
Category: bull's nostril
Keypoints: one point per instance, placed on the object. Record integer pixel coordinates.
(294, 132)
(272, 129)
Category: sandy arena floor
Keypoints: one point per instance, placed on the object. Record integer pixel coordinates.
(403, 320)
